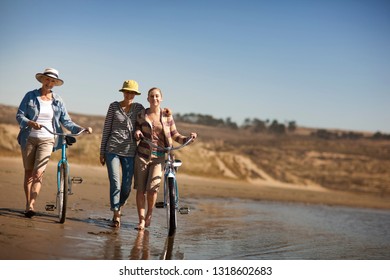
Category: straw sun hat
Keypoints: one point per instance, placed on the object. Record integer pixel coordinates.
(130, 85)
(52, 73)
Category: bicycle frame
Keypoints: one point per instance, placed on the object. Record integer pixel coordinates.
(63, 160)
(64, 183)
(171, 190)
(170, 170)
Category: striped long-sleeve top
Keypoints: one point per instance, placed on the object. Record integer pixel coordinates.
(118, 130)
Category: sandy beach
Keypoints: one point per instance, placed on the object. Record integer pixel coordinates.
(89, 208)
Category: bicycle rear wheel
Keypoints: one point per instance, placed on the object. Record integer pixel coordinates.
(62, 194)
(171, 207)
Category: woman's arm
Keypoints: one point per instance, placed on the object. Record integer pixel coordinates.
(107, 129)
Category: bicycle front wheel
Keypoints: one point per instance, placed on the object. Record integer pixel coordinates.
(62, 193)
(171, 207)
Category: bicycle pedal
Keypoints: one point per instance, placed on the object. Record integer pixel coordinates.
(50, 207)
(160, 204)
(184, 210)
(77, 180)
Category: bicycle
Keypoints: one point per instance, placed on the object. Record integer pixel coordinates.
(171, 190)
(64, 181)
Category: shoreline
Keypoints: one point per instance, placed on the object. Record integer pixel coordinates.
(279, 192)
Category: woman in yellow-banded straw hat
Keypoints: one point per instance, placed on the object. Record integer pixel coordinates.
(118, 146)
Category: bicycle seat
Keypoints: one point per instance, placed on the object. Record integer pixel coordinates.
(70, 140)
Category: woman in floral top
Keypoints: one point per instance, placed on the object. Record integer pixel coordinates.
(158, 126)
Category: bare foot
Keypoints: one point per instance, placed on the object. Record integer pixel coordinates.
(116, 222)
(141, 225)
(148, 221)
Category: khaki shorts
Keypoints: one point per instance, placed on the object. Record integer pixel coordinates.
(37, 153)
(147, 175)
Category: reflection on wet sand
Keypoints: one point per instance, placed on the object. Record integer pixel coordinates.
(141, 250)
(168, 248)
(141, 247)
(215, 229)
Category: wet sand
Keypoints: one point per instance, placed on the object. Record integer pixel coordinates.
(86, 234)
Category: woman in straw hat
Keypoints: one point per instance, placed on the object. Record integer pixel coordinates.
(157, 125)
(41, 107)
(118, 147)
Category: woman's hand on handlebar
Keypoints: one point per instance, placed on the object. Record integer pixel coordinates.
(34, 125)
(193, 136)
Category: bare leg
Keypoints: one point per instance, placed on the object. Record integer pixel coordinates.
(152, 198)
(28, 180)
(37, 177)
(140, 199)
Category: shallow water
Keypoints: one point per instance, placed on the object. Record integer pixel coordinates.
(244, 229)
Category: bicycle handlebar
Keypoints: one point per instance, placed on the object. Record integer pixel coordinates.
(167, 149)
(64, 134)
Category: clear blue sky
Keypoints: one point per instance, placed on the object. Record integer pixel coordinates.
(320, 63)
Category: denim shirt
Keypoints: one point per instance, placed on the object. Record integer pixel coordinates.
(29, 110)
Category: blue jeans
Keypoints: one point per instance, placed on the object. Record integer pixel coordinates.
(119, 189)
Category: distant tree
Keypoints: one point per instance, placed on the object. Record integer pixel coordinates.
(255, 125)
(277, 128)
(258, 126)
(231, 124)
(379, 135)
(351, 135)
(324, 134)
(247, 123)
(292, 126)
(206, 120)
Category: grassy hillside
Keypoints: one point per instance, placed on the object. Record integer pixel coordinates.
(358, 165)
